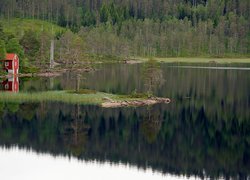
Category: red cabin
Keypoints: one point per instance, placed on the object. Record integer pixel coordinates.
(11, 63)
(11, 84)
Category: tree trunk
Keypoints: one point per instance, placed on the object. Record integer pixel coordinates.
(52, 53)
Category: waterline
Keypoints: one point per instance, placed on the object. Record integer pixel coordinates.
(28, 165)
(214, 68)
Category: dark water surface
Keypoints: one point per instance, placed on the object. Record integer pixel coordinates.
(203, 132)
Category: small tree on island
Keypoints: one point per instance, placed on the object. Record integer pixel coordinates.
(152, 75)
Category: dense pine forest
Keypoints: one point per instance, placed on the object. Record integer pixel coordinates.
(127, 28)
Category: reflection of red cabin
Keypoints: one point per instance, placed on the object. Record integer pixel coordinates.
(11, 63)
(11, 84)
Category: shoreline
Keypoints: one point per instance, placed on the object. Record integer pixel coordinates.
(90, 97)
(138, 60)
(48, 73)
(205, 60)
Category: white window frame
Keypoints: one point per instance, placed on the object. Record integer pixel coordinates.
(6, 86)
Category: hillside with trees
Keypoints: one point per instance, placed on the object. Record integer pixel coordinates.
(131, 28)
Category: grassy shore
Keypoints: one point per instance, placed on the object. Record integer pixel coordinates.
(91, 98)
(197, 60)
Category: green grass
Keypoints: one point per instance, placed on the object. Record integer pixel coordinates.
(199, 60)
(18, 26)
(2, 73)
(82, 91)
(95, 98)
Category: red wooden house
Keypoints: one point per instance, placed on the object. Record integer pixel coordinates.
(11, 63)
(11, 84)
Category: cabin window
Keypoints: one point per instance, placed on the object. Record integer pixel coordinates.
(6, 86)
(6, 63)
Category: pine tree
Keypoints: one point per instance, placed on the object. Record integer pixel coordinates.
(2, 50)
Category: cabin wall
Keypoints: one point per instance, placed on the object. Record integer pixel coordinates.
(16, 65)
(8, 64)
(11, 66)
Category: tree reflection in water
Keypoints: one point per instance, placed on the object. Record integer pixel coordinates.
(204, 132)
(152, 75)
(75, 132)
(182, 138)
(151, 125)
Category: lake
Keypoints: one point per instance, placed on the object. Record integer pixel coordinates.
(203, 133)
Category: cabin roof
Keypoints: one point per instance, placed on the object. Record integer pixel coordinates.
(9, 56)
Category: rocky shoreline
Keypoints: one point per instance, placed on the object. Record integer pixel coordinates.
(109, 103)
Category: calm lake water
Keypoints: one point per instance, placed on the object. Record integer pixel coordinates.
(204, 132)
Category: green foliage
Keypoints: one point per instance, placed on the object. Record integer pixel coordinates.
(13, 46)
(2, 34)
(44, 49)
(2, 50)
(12, 107)
(2, 55)
(62, 19)
(88, 18)
(170, 38)
(135, 94)
(113, 13)
(72, 48)
(66, 13)
(152, 28)
(30, 44)
(27, 68)
(82, 91)
(18, 26)
(104, 14)
(83, 96)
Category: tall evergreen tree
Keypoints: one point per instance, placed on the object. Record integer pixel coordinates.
(2, 50)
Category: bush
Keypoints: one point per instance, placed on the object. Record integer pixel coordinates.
(135, 94)
(82, 91)
(27, 69)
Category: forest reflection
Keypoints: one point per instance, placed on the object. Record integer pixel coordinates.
(204, 131)
(181, 138)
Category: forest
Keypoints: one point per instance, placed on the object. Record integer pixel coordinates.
(127, 28)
